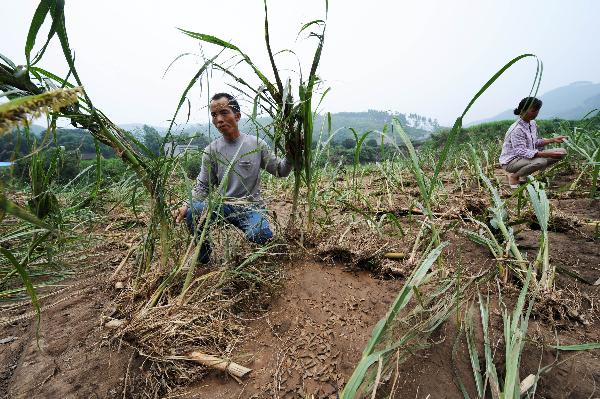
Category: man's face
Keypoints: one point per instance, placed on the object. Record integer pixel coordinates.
(223, 117)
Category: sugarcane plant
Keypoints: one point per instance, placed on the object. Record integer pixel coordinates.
(31, 84)
(498, 221)
(18, 111)
(541, 207)
(505, 385)
(382, 344)
(427, 188)
(291, 118)
(434, 181)
(587, 145)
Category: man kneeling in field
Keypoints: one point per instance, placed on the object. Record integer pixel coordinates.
(241, 191)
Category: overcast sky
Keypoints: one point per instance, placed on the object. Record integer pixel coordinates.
(427, 57)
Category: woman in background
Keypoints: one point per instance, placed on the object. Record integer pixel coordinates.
(522, 149)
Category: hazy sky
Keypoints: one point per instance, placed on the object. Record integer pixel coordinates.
(428, 57)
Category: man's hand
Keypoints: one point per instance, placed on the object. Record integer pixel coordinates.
(179, 214)
(289, 150)
(292, 148)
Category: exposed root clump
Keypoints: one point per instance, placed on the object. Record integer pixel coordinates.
(559, 222)
(356, 247)
(211, 317)
(564, 309)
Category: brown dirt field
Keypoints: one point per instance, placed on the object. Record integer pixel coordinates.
(309, 340)
(73, 359)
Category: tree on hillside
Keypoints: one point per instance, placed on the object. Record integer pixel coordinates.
(152, 139)
(72, 139)
(185, 138)
(200, 140)
(348, 143)
(81, 140)
(11, 144)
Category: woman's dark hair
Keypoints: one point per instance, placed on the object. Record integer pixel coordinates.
(526, 103)
(233, 104)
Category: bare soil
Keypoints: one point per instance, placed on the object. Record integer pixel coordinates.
(69, 357)
(311, 337)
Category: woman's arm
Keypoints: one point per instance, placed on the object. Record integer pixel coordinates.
(550, 154)
(557, 139)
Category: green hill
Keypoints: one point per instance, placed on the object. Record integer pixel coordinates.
(416, 126)
(492, 131)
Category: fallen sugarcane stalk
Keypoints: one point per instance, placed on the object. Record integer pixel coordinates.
(395, 255)
(127, 256)
(526, 384)
(417, 212)
(215, 362)
(575, 275)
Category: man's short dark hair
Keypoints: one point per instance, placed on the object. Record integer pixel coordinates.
(233, 104)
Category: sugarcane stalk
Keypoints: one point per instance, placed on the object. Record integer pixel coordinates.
(218, 363)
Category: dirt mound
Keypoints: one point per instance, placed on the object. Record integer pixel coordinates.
(311, 338)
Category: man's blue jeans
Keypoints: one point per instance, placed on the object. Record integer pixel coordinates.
(248, 219)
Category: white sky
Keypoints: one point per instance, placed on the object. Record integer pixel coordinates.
(428, 57)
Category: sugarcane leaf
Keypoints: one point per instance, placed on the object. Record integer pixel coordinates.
(191, 83)
(312, 76)
(490, 369)
(578, 347)
(322, 98)
(595, 173)
(403, 297)
(415, 165)
(473, 354)
(541, 205)
(174, 61)
(40, 53)
(10, 207)
(8, 61)
(361, 369)
(37, 21)
(50, 75)
(222, 43)
(270, 52)
(24, 277)
(418, 276)
(210, 39)
(309, 24)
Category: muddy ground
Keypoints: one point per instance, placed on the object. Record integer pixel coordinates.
(311, 337)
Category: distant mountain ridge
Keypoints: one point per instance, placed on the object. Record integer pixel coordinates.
(417, 126)
(572, 102)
